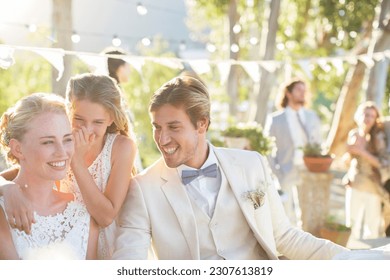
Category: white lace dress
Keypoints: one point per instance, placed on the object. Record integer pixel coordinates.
(61, 236)
(100, 170)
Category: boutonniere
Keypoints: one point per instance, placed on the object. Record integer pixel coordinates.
(256, 197)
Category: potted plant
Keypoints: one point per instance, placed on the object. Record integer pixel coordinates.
(249, 136)
(335, 232)
(315, 159)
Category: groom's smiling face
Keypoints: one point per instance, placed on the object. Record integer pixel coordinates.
(176, 137)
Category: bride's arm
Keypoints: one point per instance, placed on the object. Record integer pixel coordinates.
(7, 248)
(19, 210)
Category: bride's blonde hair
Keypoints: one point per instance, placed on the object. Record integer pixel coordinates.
(14, 122)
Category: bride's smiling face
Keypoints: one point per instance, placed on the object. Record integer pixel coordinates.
(47, 146)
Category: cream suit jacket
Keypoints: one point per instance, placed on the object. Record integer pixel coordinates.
(158, 210)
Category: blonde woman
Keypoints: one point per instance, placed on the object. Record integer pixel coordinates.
(102, 165)
(366, 144)
(36, 135)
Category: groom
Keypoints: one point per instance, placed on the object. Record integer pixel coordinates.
(202, 202)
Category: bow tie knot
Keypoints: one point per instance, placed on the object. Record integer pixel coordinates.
(187, 176)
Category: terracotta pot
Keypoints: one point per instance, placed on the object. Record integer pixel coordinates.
(336, 236)
(318, 164)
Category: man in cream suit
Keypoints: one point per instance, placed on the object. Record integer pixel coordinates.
(202, 202)
(293, 126)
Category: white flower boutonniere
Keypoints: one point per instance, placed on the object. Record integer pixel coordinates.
(256, 197)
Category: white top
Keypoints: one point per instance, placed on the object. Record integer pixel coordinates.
(204, 190)
(61, 236)
(297, 133)
(100, 170)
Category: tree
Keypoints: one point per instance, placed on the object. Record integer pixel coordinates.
(267, 78)
(380, 42)
(232, 82)
(62, 26)
(214, 12)
(349, 97)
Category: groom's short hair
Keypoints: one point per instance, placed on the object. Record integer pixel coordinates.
(187, 92)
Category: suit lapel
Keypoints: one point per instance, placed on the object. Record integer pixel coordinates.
(285, 130)
(181, 205)
(308, 125)
(235, 175)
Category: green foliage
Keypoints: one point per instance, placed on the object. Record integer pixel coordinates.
(254, 133)
(332, 224)
(217, 142)
(313, 150)
(213, 8)
(346, 16)
(29, 74)
(337, 227)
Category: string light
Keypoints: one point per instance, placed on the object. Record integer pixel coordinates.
(141, 9)
(253, 41)
(32, 27)
(75, 37)
(182, 45)
(211, 47)
(234, 48)
(353, 34)
(116, 42)
(250, 3)
(280, 46)
(237, 28)
(146, 41)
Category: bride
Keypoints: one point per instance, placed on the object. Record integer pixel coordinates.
(36, 134)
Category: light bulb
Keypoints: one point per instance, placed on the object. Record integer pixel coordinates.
(235, 48)
(141, 9)
(146, 41)
(116, 42)
(75, 37)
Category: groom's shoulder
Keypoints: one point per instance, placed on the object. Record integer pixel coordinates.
(237, 155)
(150, 172)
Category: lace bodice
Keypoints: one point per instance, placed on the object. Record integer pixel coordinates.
(100, 171)
(61, 236)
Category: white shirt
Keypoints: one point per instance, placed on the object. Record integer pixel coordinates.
(297, 133)
(204, 190)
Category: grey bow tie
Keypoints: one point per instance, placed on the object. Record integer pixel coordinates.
(187, 176)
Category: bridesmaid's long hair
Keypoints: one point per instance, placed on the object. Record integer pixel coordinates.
(103, 90)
